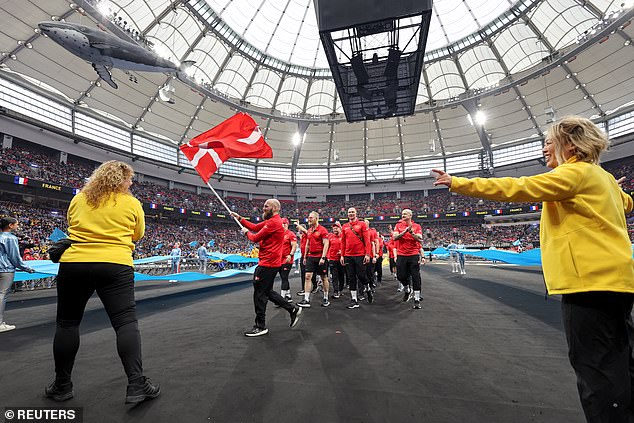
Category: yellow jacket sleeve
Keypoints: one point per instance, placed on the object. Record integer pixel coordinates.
(139, 229)
(557, 185)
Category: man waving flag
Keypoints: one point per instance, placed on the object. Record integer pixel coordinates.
(237, 137)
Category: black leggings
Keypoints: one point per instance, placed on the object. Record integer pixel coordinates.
(114, 283)
(284, 272)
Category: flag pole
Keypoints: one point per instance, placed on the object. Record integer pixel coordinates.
(224, 204)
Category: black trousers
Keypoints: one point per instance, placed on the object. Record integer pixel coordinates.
(263, 278)
(392, 265)
(355, 270)
(600, 338)
(114, 284)
(369, 273)
(336, 275)
(406, 267)
(378, 268)
(284, 272)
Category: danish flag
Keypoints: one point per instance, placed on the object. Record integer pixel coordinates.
(237, 137)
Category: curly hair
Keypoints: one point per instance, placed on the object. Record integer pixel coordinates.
(589, 141)
(105, 180)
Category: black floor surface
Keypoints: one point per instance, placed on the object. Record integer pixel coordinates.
(486, 347)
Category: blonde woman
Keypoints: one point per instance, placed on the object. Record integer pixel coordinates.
(586, 257)
(103, 220)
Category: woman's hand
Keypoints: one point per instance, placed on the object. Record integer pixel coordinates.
(442, 178)
(620, 182)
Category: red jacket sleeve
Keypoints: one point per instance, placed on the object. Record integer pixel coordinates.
(263, 232)
(366, 241)
(343, 242)
(252, 226)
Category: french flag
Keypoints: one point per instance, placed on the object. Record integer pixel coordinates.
(208, 214)
(498, 211)
(20, 180)
(76, 191)
(257, 218)
(381, 217)
(153, 206)
(182, 211)
(436, 215)
(534, 208)
(465, 214)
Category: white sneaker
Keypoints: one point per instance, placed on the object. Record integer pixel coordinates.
(5, 327)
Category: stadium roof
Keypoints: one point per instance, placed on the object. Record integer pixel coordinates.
(513, 61)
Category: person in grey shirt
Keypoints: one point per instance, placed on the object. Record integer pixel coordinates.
(10, 260)
(202, 258)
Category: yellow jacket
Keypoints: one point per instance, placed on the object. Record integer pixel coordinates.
(105, 234)
(584, 241)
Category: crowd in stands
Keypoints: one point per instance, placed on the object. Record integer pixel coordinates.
(160, 237)
(38, 165)
(23, 162)
(38, 223)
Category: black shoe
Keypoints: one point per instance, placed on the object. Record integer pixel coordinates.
(295, 313)
(304, 303)
(370, 295)
(59, 393)
(300, 293)
(139, 392)
(408, 295)
(256, 331)
(417, 305)
(353, 304)
(288, 298)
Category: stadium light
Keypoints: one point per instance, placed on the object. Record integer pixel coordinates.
(104, 8)
(480, 118)
(296, 139)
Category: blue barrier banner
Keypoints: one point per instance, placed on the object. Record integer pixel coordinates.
(527, 258)
(152, 259)
(47, 269)
(192, 276)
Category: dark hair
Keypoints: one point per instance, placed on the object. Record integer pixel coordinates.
(6, 221)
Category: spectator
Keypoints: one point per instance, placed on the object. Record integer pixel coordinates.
(104, 219)
(9, 261)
